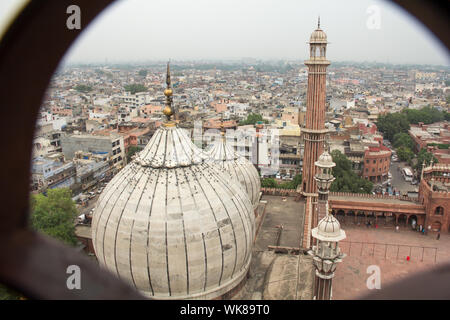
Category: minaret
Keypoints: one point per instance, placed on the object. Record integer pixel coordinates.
(314, 131)
(325, 249)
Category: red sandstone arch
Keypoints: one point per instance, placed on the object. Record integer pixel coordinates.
(361, 217)
(436, 226)
(402, 219)
(411, 218)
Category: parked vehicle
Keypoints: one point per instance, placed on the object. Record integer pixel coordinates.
(407, 174)
(81, 218)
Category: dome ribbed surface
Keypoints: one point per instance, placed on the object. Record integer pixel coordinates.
(318, 36)
(238, 167)
(325, 160)
(172, 224)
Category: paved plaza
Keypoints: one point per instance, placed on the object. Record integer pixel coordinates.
(387, 249)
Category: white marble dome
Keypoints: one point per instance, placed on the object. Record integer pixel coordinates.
(238, 167)
(328, 229)
(318, 36)
(173, 224)
(325, 160)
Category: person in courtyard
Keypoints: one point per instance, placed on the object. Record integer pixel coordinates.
(438, 235)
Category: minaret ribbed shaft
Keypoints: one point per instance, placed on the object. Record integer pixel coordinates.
(314, 131)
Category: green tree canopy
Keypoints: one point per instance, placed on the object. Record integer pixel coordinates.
(346, 179)
(135, 87)
(405, 153)
(272, 183)
(392, 123)
(83, 88)
(422, 156)
(426, 115)
(142, 73)
(252, 118)
(403, 139)
(55, 214)
(269, 183)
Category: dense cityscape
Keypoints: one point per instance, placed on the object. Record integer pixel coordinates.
(90, 125)
(239, 179)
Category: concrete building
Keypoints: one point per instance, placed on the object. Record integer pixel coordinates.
(291, 151)
(50, 172)
(111, 145)
(90, 172)
(134, 101)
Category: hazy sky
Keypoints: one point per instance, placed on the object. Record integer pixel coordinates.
(143, 30)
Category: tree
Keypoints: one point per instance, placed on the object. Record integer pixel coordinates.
(135, 87)
(55, 214)
(426, 115)
(403, 139)
(342, 163)
(422, 156)
(346, 179)
(131, 151)
(142, 73)
(269, 183)
(272, 183)
(405, 154)
(252, 118)
(393, 123)
(291, 184)
(83, 88)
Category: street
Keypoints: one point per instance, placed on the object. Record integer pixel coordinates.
(398, 182)
(91, 205)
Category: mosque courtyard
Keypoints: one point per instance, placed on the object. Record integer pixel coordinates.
(285, 276)
(387, 249)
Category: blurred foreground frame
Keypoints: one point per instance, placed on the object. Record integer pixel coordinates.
(35, 265)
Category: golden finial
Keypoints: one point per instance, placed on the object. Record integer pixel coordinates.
(168, 110)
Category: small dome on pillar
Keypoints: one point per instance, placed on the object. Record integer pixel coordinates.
(325, 160)
(318, 36)
(328, 229)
